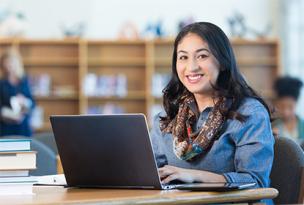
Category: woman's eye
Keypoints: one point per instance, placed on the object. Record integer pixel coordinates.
(202, 56)
(182, 57)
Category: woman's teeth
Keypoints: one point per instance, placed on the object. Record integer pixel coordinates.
(194, 77)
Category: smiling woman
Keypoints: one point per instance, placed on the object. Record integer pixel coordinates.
(214, 128)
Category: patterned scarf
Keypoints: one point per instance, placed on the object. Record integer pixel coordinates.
(188, 144)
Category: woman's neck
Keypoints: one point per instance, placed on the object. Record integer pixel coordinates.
(14, 80)
(204, 101)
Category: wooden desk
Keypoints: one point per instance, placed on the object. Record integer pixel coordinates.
(60, 195)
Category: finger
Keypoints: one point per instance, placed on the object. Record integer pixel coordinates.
(165, 172)
(166, 169)
(169, 178)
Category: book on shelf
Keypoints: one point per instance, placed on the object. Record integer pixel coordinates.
(159, 82)
(15, 144)
(37, 117)
(40, 84)
(107, 108)
(17, 160)
(105, 85)
(65, 91)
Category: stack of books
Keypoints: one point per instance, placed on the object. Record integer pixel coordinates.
(16, 159)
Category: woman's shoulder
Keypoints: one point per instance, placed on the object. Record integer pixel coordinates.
(4, 83)
(251, 106)
(257, 122)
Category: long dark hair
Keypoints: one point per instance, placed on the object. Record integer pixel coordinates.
(230, 83)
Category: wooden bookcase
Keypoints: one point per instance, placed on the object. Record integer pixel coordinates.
(114, 59)
(68, 62)
(259, 62)
(59, 60)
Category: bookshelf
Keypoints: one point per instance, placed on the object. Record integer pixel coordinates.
(260, 63)
(125, 76)
(59, 61)
(120, 70)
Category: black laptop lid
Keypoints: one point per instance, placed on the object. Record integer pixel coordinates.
(106, 150)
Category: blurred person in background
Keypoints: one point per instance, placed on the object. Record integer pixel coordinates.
(288, 124)
(16, 101)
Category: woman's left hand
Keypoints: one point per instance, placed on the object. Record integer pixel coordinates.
(169, 173)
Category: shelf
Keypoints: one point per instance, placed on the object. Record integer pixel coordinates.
(132, 95)
(116, 61)
(6, 41)
(115, 42)
(164, 41)
(54, 98)
(63, 41)
(38, 61)
(257, 62)
(158, 98)
(249, 42)
(165, 61)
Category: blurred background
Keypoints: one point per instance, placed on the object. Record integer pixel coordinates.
(81, 56)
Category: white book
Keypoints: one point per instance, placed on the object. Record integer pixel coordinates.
(20, 180)
(14, 173)
(14, 144)
(16, 189)
(17, 160)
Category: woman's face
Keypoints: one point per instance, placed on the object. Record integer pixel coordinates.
(197, 68)
(286, 108)
(8, 66)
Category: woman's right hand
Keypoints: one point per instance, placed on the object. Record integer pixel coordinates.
(169, 173)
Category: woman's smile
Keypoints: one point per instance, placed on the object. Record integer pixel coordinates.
(194, 78)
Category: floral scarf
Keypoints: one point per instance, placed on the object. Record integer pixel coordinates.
(188, 144)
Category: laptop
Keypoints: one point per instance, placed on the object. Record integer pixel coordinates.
(113, 151)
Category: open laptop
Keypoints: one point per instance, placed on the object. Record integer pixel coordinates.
(113, 151)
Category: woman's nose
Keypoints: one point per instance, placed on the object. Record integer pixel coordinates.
(193, 65)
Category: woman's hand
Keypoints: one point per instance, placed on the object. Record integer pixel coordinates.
(169, 173)
(24, 102)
